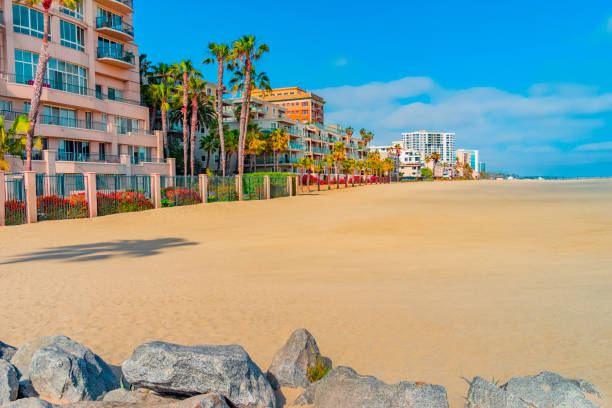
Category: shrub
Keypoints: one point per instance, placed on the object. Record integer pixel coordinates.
(14, 212)
(222, 193)
(172, 196)
(318, 371)
(122, 202)
(53, 207)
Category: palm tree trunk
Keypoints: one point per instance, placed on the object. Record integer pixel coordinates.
(41, 70)
(164, 115)
(194, 127)
(220, 109)
(185, 124)
(244, 113)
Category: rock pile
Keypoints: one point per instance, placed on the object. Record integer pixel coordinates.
(52, 372)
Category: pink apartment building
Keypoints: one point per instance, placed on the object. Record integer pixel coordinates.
(92, 118)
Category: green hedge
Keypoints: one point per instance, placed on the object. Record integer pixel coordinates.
(270, 173)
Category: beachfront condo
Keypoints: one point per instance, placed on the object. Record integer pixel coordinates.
(469, 156)
(305, 139)
(427, 143)
(301, 106)
(91, 116)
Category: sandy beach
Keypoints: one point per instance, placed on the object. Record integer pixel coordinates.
(417, 281)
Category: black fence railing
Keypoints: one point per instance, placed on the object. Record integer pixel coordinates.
(180, 190)
(14, 206)
(115, 24)
(278, 187)
(120, 194)
(61, 197)
(253, 188)
(222, 189)
(119, 55)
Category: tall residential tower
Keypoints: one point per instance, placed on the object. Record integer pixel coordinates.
(426, 143)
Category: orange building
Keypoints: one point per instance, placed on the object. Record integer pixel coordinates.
(302, 106)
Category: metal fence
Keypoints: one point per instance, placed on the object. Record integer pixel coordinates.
(222, 189)
(253, 188)
(15, 210)
(120, 194)
(278, 187)
(61, 197)
(180, 190)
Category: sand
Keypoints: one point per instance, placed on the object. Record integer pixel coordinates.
(418, 281)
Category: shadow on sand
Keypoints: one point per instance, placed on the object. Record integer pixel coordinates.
(103, 250)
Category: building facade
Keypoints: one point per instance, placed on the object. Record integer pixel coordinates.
(427, 143)
(469, 156)
(91, 117)
(301, 106)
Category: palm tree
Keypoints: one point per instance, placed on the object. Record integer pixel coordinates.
(349, 133)
(245, 52)
(221, 52)
(279, 141)
(162, 95)
(41, 70)
(12, 141)
(255, 144)
(339, 154)
(231, 145)
(434, 158)
(347, 166)
(329, 164)
(209, 144)
(183, 71)
(197, 92)
(318, 169)
(398, 151)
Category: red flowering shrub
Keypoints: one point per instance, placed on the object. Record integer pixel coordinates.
(14, 212)
(122, 202)
(179, 196)
(53, 207)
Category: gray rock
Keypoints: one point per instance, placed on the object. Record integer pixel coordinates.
(194, 370)
(9, 385)
(484, 394)
(28, 403)
(66, 371)
(138, 396)
(290, 364)
(550, 390)
(211, 400)
(23, 356)
(343, 387)
(6, 351)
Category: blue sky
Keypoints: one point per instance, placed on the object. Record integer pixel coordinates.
(529, 83)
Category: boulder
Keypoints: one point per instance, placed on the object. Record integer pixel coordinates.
(546, 389)
(194, 370)
(290, 364)
(343, 387)
(200, 401)
(140, 396)
(9, 385)
(66, 371)
(28, 403)
(551, 390)
(6, 351)
(484, 394)
(22, 359)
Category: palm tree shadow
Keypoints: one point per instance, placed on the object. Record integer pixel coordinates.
(136, 248)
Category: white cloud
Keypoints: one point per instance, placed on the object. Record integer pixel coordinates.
(341, 62)
(595, 147)
(512, 130)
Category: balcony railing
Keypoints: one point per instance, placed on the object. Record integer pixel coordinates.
(61, 86)
(118, 25)
(74, 123)
(88, 157)
(119, 55)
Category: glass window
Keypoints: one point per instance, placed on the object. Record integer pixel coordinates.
(60, 75)
(125, 125)
(28, 21)
(115, 94)
(5, 106)
(72, 36)
(77, 12)
(53, 115)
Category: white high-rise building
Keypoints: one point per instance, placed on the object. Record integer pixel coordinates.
(426, 143)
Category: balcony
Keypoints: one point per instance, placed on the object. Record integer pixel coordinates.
(120, 6)
(2, 18)
(117, 28)
(87, 157)
(118, 58)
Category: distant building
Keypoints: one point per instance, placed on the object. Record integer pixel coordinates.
(469, 156)
(427, 143)
(481, 167)
(301, 106)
